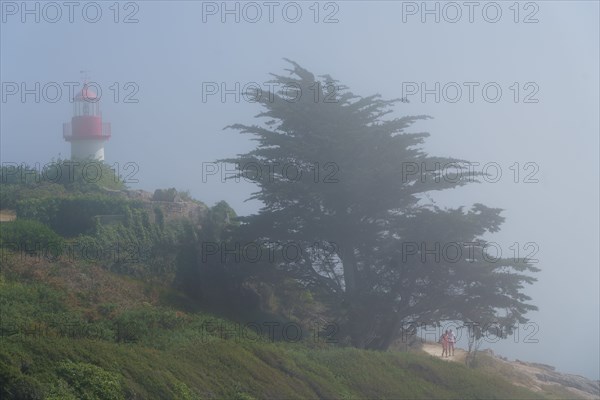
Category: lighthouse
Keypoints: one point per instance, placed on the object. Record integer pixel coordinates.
(86, 132)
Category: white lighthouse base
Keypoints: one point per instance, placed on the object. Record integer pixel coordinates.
(87, 149)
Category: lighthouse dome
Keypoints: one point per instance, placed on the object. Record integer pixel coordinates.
(86, 94)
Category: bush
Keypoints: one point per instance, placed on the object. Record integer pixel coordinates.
(16, 386)
(73, 215)
(30, 236)
(89, 382)
(76, 176)
(11, 194)
(136, 325)
(165, 195)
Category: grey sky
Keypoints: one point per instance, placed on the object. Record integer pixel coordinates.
(171, 131)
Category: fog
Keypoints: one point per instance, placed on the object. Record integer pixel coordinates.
(162, 68)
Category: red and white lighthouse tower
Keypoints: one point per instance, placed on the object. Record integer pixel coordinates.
(86, 131)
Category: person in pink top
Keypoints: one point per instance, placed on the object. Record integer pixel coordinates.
(444, 341)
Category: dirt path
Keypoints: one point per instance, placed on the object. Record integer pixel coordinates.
(7, 215)
(435, 349)
(536, 377)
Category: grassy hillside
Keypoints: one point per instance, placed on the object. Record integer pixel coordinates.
(81, 332)
(139, 318)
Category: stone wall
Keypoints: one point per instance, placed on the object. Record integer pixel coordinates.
(176, 210)
(172, 210)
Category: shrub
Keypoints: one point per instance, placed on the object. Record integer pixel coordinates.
(73, 215)
(29, 236)
(90, 382)
(165, 195)
(135, 325)
(15, 385)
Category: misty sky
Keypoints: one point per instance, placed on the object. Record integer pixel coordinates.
(174, 50)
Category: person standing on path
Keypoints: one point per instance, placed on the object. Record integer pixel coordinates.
(451, 340)
(444, 341)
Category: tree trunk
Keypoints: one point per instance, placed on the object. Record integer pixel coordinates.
(349, 263)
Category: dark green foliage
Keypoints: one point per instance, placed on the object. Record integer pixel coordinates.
(89, 382)
(87, 176)
(220, 218)
(14, 385)
(357, 199)
(11, 194)
(134, 247)
(135, 325)
(161, 353)
(22, 174)
(197, 274)
(230, 369)
(30, 236)
(73, 215)
(74, 176)
(165, 195)
(118, 232)
(159, 217)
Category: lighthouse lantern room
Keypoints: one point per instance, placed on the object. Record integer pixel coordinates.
(86, 132)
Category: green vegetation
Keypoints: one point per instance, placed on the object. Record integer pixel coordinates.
(55, 179)
(155, 296)
(79, 330)
(29, 235)
(72, 215)
(165, 194)
(106, 328)
(167, 353)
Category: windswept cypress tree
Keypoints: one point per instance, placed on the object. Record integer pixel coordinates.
(345, 184)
